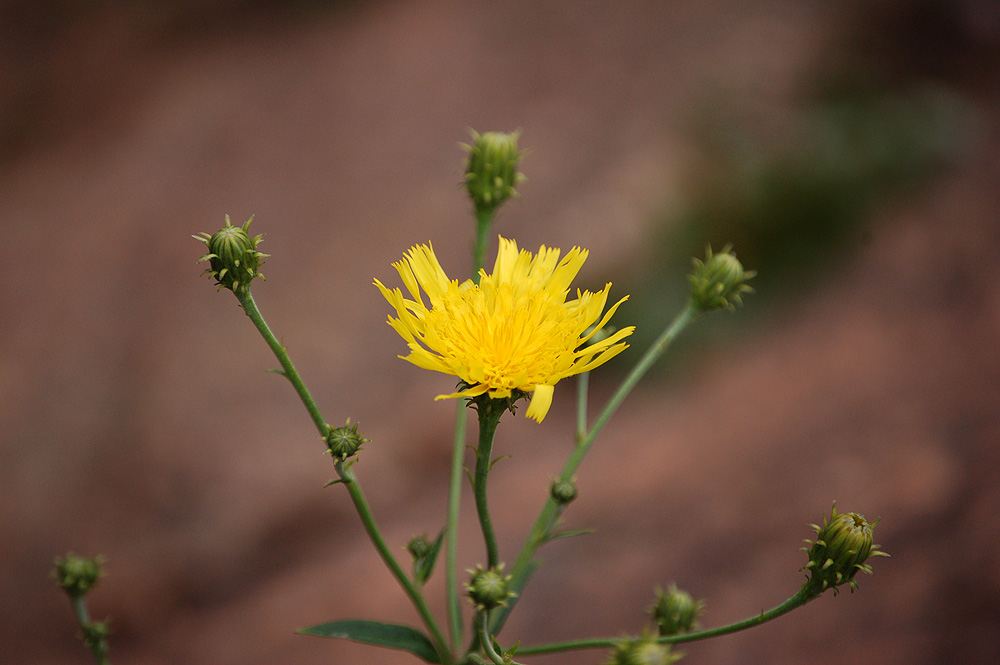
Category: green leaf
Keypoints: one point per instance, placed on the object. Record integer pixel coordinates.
(387, 635)
(494, 462)
(567, 533)
(423, 568)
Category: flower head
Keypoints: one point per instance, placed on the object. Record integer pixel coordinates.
(514, 330)
(644, 650)
(77, 574)
(233, 258)
(563, 492)
(675, 611)
(344, 441)
(491, 174)
(490, 588)
(842, 545)
(719, 281)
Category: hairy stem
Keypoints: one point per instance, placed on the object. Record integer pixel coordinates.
(490, 411)
(451, 544)
(484, 222)
(346, 476)
(805, 594)
(95, 641)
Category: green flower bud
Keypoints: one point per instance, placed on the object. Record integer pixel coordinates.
(489, 589)
(95, 635)
(343, 442)
(563, 492)
(644, 650)
(232, 256)
(719, 281)
(419, 547)
(675, 611)
(843, 544)
(491, 173)
(77, 574)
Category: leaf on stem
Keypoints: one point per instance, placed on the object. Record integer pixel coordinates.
(391, 636)
(567, 533)
(494, 462)
(423, 567)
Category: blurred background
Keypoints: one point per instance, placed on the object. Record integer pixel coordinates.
(848, 150)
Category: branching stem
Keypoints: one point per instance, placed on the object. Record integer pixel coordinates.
(805, 594)
(546, 521)
(347, 477)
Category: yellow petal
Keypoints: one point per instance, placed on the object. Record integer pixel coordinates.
(474, 391)
(514, 330)
(541, 400)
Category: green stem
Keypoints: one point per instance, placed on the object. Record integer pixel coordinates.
(549, 514)
(98, 645)
(489, 411)
(484, 637)
(582, 389)
(346, 476)
(451, 544)
(364, 512)
(279, 351)
(801, 597)
(484, 222)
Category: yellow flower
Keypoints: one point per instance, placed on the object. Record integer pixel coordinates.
(514, 330)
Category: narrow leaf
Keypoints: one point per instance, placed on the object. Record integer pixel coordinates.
(387, 635)
(423, 568)
(494, 462)
(567, 533)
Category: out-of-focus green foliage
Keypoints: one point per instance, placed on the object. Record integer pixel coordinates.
(793, 205)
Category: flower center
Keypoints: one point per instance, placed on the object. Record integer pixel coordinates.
(503, 339)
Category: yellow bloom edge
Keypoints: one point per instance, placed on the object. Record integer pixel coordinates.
(514, 330)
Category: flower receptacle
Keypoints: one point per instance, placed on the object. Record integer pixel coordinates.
(233, 258)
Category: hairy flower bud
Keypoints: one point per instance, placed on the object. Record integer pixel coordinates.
(344, 441)
(843, 544)
(675, 611)
(77, 574)
(419, 547)
(719, 281)
(563, 492)
(489, 588)
(95, 634)
(644, 650)
(232, 256)
(491, 173)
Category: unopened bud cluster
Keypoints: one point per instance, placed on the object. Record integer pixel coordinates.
(232, 256)
(644, 650)
(419, 547)
(77, 574)
(563, 492)
(344, 441)
(491, 174)
(842, 545)
(675, 611)
(719, 281)
(490, 588)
